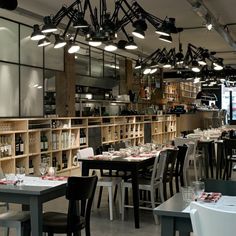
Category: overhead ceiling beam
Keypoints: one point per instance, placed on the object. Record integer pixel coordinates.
(200, 8)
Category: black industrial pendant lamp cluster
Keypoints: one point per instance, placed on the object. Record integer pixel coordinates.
(103, 26)
(195, 59)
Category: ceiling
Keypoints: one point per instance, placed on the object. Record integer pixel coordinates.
(182, 11)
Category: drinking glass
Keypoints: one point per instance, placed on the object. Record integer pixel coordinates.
(43, 168)
(187, 193)
(198, 189)
(111, 150)
(20, 174)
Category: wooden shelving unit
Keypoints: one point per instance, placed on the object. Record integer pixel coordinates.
(163, 128)
(63, 137)
(188, 91)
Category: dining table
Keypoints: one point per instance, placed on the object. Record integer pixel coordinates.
(32, 193)
(131, 164)
(175, 213)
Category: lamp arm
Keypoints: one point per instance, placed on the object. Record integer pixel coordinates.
(69, 23)
(63, 12)
(92, 15)
(125, 33)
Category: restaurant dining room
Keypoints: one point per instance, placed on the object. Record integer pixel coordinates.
(117, 117)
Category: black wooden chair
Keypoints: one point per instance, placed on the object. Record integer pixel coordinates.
(80, 193)
(169, 171)
(179, 167)
(230, 156)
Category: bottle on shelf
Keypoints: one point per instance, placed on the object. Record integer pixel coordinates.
(64, 161)
(44, 142)
(22, 146)
(82, 137)
(54, 162)
(31, 167)
(19, 145)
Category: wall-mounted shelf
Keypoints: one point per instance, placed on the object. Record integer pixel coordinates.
(58, 139)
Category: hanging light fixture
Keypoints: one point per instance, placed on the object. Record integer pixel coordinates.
(73, 47)
(111, 47)
(131, 45)
(166, 38)
(59, 42)
(48, 27)
(103, 26)
(195, 66)
(37, 34)
(44, 42)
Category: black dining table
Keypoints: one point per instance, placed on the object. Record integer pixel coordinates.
(32, 198)
(121, 164)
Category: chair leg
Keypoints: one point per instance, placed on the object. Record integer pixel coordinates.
(119, 197)
(161, 191)
(153, 197)
(123, 202)
(115, 192)
(177, 183)
(99, 196)
(110, 196)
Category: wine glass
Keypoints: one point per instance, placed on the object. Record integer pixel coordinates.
(20, 174)
(198, 189)
(43, 168)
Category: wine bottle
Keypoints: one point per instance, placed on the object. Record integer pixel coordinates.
(31, 167)
(22, 147)
(42, 143)
(45, 143)
(17, 146)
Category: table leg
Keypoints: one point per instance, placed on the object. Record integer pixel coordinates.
(183, 233)
(135, 189)
(36, 216)
(167, 226)
(85, 169)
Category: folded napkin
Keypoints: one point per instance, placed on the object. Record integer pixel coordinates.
(4, 181)
(210, 197)
(48, 177)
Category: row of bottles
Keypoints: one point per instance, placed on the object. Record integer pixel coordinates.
(5, 146)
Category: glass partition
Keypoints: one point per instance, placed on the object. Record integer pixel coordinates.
(30, 53)
(31, 90)
(9, 41)
(9, 90)
(96, 62)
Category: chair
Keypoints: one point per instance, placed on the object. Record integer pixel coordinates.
(109, 182)
(226, 187)
(192, 154)
(207, 221)
(181, 167)
(80, 193)
(230, 148)
(149, 184)
(14, 219)
(168, 173)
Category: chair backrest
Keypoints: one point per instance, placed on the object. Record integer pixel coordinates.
(230, 145)
(158, 167)
(170, 164)
(80, 193)
(180, 159)
(179, 141)
(207, 221)
(85, 153)
(226, 187)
